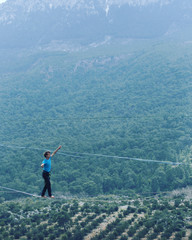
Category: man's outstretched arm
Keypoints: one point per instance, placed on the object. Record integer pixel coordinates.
(55, 151)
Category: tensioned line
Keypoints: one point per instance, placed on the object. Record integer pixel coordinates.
(17, 191)
(11, 190)
(79, 155)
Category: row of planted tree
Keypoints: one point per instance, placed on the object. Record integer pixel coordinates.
(96, 219)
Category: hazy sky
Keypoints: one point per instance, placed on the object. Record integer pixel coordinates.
(2, 1)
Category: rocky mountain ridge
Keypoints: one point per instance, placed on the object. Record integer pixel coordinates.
(35, 23)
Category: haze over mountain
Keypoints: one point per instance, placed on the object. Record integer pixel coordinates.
(36, 23)
(129, 98)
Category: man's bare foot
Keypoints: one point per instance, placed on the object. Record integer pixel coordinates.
(52, 196)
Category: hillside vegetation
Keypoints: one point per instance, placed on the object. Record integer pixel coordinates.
(103, 218)
(129, 100)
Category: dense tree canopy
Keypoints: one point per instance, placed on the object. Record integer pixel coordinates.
(130, 101)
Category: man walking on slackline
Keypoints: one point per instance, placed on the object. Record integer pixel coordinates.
(46, 165)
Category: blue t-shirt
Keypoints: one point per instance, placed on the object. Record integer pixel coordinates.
(47, 164)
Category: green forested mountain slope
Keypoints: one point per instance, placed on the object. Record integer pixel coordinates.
(132, 100)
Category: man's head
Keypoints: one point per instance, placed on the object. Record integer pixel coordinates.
(47, 154)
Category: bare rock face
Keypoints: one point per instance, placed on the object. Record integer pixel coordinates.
(39, 22)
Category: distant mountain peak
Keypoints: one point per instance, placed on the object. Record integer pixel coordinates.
(38, 22)
(138, 2)
(69, 4)
(9, 9)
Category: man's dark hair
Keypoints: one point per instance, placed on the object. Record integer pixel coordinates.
(46, 153)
